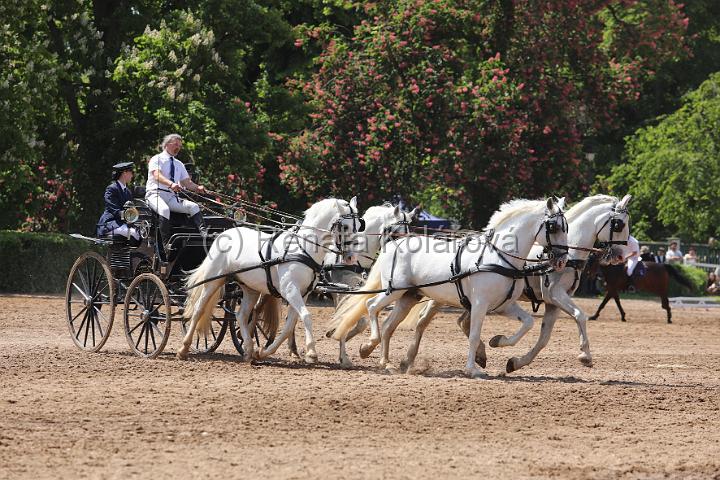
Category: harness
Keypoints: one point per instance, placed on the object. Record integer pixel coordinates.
(616, 226)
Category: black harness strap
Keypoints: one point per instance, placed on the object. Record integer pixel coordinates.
(456, 268)
(578, 266)
(303, 258)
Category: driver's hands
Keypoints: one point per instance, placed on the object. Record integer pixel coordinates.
(201, 189)
(175, 187)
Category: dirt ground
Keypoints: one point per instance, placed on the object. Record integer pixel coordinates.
(649, 408)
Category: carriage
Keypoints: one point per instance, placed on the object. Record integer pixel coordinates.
(119, 272)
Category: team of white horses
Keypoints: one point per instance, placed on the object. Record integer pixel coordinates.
(482, 272)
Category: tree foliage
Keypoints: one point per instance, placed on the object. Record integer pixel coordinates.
(462, 104)
(672, 169)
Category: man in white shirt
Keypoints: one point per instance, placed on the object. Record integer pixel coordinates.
(632, 254)
(674, 255)
(167, 176)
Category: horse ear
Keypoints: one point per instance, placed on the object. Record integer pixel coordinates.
(550, 203)
(561, 203)
(415, 213)
(353, 203)
(625, 200)
(396, 211)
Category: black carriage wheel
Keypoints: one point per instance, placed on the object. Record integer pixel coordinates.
(90, 301)
(262, 338)
(210, 341)
(147, 315)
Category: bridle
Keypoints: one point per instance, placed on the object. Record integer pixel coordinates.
(398, 229)
(616, 224)
(337, 227)
(553, 223)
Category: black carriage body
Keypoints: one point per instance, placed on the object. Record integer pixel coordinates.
(151, 290)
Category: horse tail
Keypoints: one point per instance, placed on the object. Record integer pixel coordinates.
(679, 277)
(267, 315)
(352, 308)
(209, 291)
(413, 315)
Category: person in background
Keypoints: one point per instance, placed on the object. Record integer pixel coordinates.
(690, 258)
(712, 285)
(674, 255)
(116, 194)
(646, 255)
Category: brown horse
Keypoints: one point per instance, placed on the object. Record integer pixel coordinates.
(655, 280)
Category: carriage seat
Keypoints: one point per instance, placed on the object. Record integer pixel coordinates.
(138, 191)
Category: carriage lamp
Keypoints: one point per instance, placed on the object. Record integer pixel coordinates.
(240, 215)
(130, 214)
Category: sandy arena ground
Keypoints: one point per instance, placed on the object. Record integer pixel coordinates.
(650, 407)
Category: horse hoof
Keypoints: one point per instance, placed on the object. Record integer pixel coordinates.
(669, 321)
(623, 319)
(404, 366)
(346, 363)
(473, 372)
(495, 341)
(482, 361)
(510, 367)
(365, 350)
(594, 317)
(311, 358)
(329, 333)
(181, 355)
(586, 361)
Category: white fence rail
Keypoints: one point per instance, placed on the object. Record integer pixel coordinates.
(694, 302)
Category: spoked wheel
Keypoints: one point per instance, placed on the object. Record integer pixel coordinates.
(90, 301)
(263, 336)
(147, 315)
(210, 341)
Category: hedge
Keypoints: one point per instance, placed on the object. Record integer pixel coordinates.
(697, 277)
(37, 262)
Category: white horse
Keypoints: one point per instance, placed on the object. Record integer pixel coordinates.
(483, 275)
(380, 224)
(297, 253)
(599, 218)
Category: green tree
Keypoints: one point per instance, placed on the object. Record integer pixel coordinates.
(672, 169)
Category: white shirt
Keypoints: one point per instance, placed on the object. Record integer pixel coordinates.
(673, 254)
(632, 247)
(162, 162)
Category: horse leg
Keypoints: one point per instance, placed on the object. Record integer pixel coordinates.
(666, 306)
(463, 321)
(401, 309)
(548, 322)
(513, 310)
(358, 328)
(617, 302)
(602, 305)
(209, 290)
(242, 315)
(297, 309)
(477, 315)
(426, 316)
(559, 297)
(374, 307)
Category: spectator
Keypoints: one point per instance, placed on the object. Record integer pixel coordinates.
(646, 255)
(660, 257)
(674, 255)
(690, 258)
(712, 286)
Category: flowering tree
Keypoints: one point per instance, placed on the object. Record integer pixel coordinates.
(462, 104)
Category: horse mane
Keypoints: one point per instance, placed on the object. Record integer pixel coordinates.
(378, 210)
(587, 203)
(319, 207)
(514, 208)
